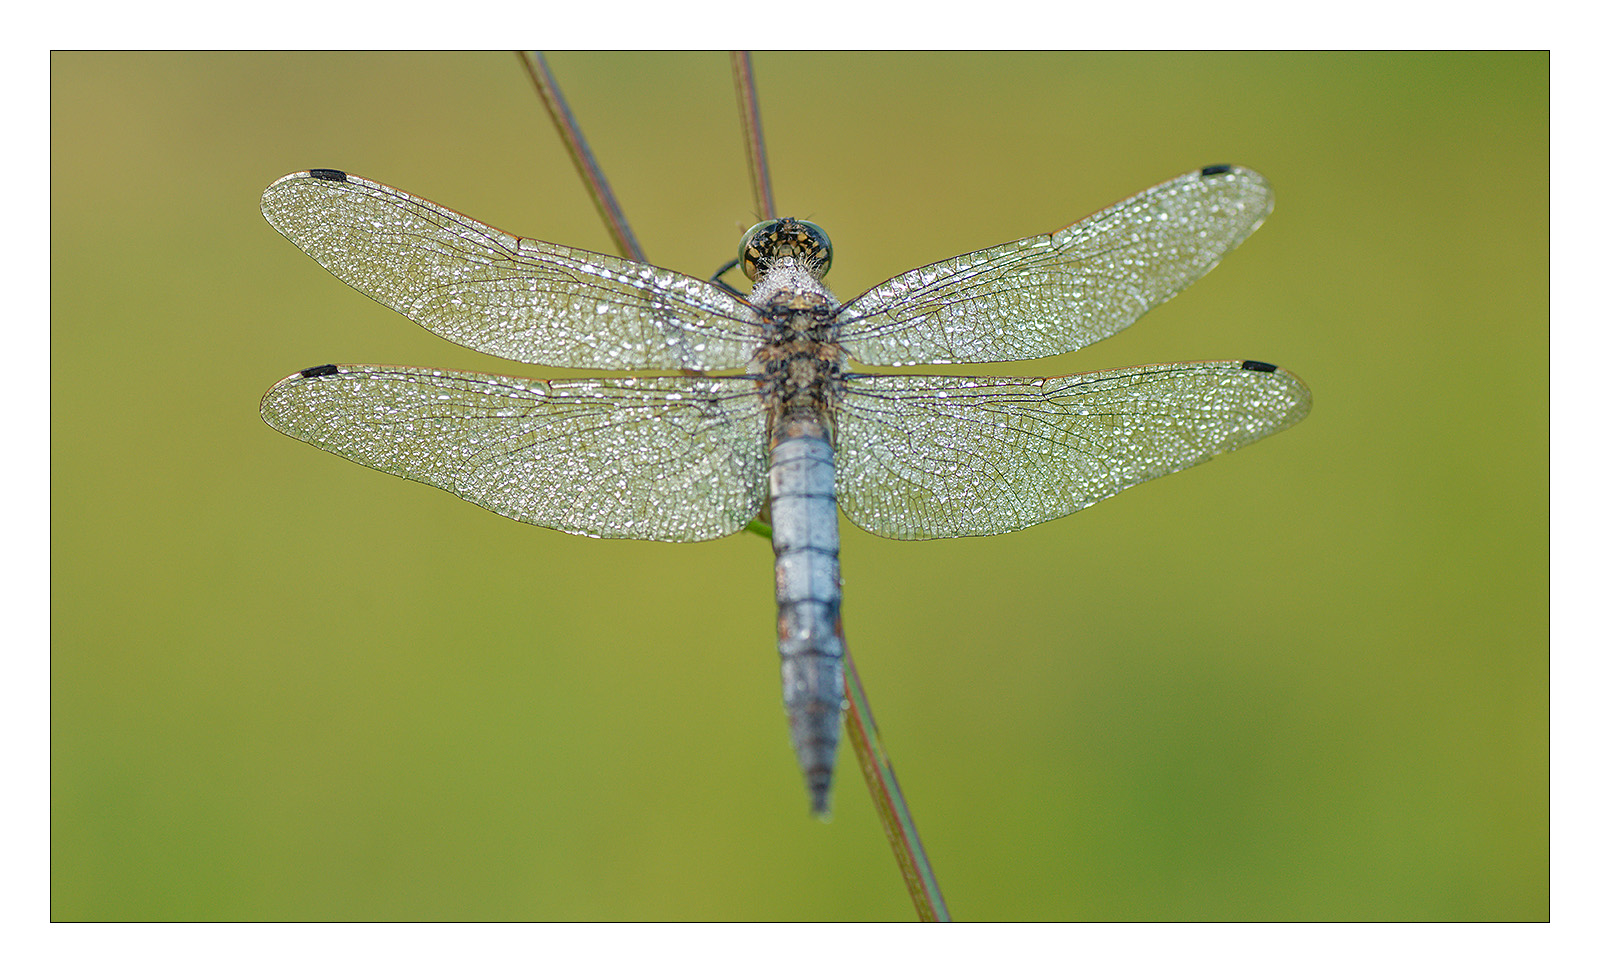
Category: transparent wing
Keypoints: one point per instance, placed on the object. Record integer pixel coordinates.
(668, 459)
(933, 456)
(521, 299)
(1051, 294)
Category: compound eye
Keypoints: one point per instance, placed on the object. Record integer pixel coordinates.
(756, 248)
(815, 245)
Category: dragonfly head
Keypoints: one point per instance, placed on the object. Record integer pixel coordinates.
(769, 240)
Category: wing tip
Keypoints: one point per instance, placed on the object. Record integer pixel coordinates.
(1291, 383)
(324, 175)
(1227, 172)
(318, 371)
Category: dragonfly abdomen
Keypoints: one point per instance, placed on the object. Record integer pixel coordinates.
(805, 545)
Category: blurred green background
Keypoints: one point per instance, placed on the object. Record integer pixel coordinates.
(1306, 681)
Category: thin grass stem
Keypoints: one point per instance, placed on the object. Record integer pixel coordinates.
(887, 797)
(755, 143)
(582, 157)
(890, 801)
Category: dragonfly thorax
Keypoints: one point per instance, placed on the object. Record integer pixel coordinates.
(800, 361)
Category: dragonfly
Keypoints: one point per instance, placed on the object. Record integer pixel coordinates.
(758, 409)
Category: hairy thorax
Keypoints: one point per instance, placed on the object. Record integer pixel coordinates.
(801, 361)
